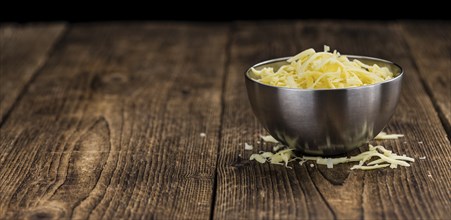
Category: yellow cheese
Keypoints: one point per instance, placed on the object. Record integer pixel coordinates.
(383, 158)
(322, 70)
(269, 138)
(385, 136)
(248, 146)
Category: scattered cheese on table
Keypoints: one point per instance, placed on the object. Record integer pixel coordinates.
(385, 136)
(203, 134)
(278, 147)
(376, 157)
(248, 146)
(269, 139)
(259, 158)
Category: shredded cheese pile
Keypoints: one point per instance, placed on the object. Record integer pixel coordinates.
(322, 70)
(376, 157)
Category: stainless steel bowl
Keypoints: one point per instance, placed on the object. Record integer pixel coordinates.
(324, 121)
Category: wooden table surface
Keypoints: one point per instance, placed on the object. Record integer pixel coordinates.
(103, 120)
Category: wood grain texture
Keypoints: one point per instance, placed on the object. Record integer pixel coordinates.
(23, 50)
(430, 46)
(110, 127)
(248, 190)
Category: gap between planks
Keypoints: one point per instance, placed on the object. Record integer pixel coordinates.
(223, 88)
(4, 113)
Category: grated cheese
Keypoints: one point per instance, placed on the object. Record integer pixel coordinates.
(322, 70)
(248, 146)
(259, 158)
(385, 136)
(278, 147)
(375, 158)
(269, 138)
(203, 134)
(282, 157)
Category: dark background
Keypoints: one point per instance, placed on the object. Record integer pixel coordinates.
(221, 11)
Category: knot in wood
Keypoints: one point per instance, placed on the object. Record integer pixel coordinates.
(46, 212)
(110, 82)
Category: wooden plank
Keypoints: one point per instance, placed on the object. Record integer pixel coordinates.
(430, 44)
(403, 193)
(23, 50)
(111, 127)
(247, 190)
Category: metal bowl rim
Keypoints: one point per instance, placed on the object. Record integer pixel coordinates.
(336, 89)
